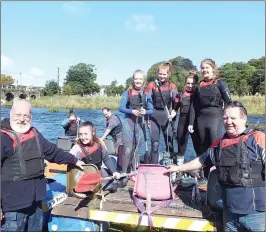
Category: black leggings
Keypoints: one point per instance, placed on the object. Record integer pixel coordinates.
(209, 128)
(182, 135)
(160, 122)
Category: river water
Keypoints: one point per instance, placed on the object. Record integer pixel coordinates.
(49, 124)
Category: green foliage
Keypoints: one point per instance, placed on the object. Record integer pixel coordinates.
(245, 78)
(128, 82)
(114, 90)
(6, 80)
(80, 80)
(51, 88)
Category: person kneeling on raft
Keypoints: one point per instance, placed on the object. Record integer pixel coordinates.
(92, 150)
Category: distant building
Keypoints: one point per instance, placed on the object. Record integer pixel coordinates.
(102, 90)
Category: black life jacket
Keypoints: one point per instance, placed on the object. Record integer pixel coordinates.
(234, 166)
(92, 154)
(185, 102)
(27, 161)
(71, 129)
(116, 130)
(167, 96)
(209, 94)
(136, 101)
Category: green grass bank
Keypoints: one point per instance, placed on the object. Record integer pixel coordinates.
(254, 105)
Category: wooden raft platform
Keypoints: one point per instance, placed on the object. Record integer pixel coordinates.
(121, 201)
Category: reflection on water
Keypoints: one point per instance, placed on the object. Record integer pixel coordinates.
(49, 124)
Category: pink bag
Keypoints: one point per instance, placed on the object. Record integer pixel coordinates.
(152, 180)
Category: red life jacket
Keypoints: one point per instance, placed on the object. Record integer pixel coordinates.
(92, 154)
(233, 164)
(27, 161)
(136, 99)
(166, 90)
(209, 94)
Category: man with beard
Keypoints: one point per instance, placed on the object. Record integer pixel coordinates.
(23, 185)
(239, 157)
(114, 128)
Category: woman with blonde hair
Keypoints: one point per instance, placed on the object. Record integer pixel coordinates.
(163, 93)
(206, 109)
(135, 104)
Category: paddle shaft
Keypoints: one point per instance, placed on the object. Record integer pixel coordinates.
(165, 106)
(101, 179)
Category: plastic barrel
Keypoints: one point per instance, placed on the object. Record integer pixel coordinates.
(59, 223)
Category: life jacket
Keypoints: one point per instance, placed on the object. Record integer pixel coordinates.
(234, 166)
(136, 100)
(27, 161)
(166, 91)
(151, 179)
(71, 129)
(116, 130)
(185, 102)
(209, 94)
(92, 154)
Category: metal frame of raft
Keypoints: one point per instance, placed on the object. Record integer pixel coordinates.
(169, 222)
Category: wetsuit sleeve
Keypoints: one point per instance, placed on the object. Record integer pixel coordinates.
(108, 161)
(54, 154)
(114, 122)
(65, 122)
(150, 107)
(149, 88)
(192, 111)
(75, 150)
(123, 104)
(177, 102)
(7, 149)
(259, 145)
(224, 91)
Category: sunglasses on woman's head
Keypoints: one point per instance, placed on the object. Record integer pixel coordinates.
(238, 104)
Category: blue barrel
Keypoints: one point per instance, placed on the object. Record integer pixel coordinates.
(55, 194)
(59, 223)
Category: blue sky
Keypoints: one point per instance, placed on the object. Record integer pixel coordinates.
(119, 37)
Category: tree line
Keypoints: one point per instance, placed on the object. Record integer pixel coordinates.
(242, 78)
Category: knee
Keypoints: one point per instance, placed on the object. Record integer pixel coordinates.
(127, 151)
(155, 146)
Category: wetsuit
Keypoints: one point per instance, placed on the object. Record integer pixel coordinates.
(159, 121)
(133, 127)
(114, 124)
(206, 112)
(182, 102)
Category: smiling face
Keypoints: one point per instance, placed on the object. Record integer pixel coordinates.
(234, 121)
(20, 117)
(207, 71)
(162, 75)
(138, 80)
(190, 83)
(85, 134)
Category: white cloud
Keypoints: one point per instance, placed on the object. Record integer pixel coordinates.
(76, 8)
(6, 63)
(36, 72)
(141, 23)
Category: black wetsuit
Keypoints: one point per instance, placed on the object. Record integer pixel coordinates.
(206, 112)
(183, 101)
(159, 121)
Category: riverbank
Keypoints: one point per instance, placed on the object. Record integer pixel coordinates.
(254, 105)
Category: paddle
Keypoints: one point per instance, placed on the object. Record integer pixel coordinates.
(88, 180)
(165, 106)
(147, 157)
